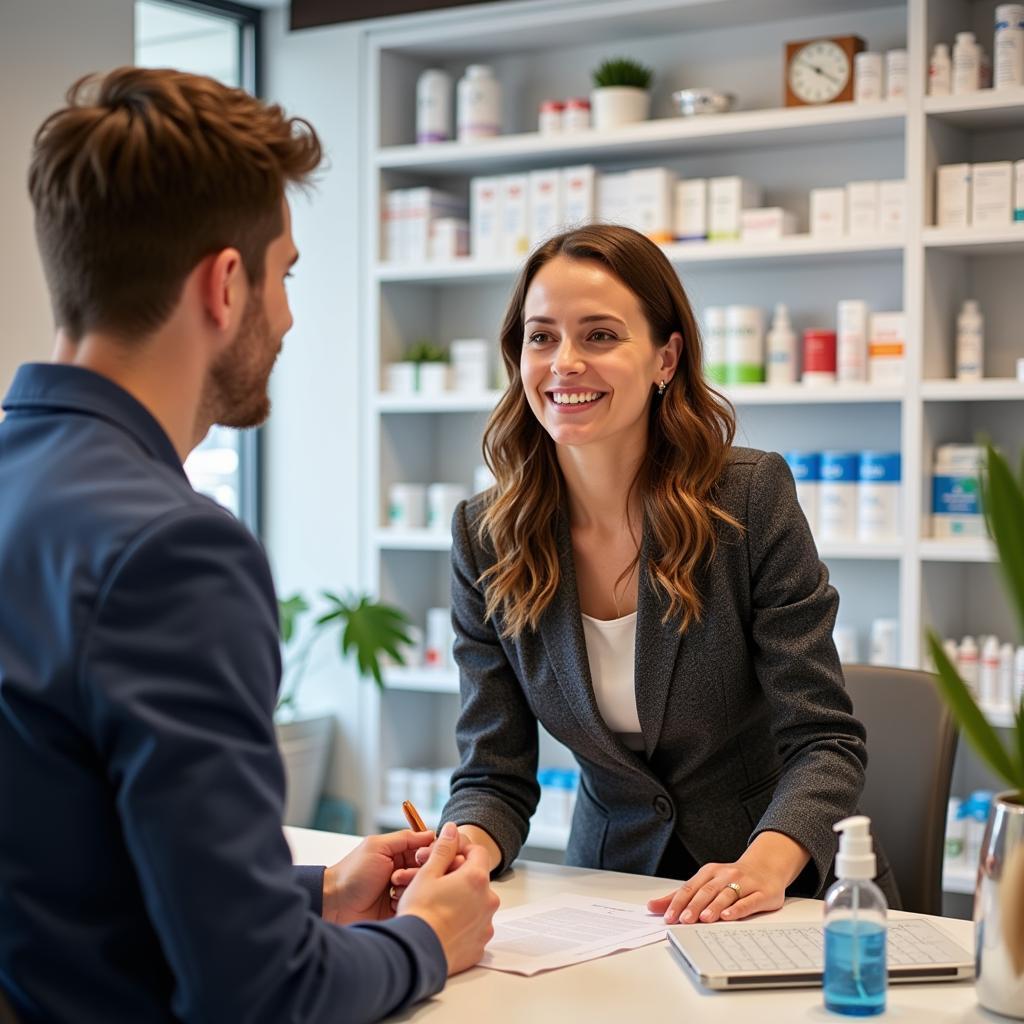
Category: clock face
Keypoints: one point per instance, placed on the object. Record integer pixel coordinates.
(819, 71)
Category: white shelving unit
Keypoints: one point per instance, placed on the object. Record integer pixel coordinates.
(541, 49)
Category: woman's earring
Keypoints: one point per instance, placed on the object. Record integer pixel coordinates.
(661, 388)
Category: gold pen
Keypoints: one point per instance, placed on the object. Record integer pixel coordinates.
(412, 816)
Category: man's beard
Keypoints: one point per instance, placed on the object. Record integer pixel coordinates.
(236, 388)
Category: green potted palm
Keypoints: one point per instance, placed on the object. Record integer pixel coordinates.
(431, 363)
(621, 93)
(999, 897)
(367, 629)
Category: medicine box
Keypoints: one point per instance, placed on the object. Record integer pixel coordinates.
(515, 216)
(449, 238)
(579, 194)
(545, 204)
(953, 196)
(691, 221)
(862, 208)
(651, 195)
(828, 212)
(422, 206)
(887, 348)
(992, 194)
(485, 218)
(613, 198)
(726, 198)
(892, 207)
(766, 223)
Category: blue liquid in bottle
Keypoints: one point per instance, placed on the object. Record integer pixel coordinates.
(855, 971)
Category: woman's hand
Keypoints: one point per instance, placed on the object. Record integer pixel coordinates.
(754, 884)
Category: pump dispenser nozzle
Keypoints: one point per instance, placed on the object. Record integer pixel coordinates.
(856, 857)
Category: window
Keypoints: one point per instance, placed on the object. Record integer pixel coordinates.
(218, 39)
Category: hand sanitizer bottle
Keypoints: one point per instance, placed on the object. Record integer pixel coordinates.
(781, 348)
(855, 970)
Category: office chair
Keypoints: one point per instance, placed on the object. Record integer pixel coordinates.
(911, 745)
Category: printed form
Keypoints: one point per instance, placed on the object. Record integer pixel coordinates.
(567, 929)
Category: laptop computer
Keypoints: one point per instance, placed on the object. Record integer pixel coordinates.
(739, 956)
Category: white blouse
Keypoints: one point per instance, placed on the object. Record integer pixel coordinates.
(611, 653)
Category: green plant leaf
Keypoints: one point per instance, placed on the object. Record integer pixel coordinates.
(1003, 498)
(289, 611)
(373, 629)
(619, 71)
(426, 352)
(981, 735)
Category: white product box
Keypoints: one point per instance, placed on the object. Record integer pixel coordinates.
(471, 364)
(449, 238)
(485, 218)
(613, 199)
(892, 207)
(651, 192)
(578, 194)
(828, 212)
(545, 204)
(851, 340)
(394, 211)
(726, 198)
(887, 343)
(1018, 190)
(515, 216)
(691, 220)
(953, 196)
(765, 223)
(992, 194)
(862, 208)
(422, 207)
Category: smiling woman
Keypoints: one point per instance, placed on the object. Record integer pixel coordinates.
(652, 595)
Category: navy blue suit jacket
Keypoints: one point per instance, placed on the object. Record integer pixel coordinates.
(143, 872)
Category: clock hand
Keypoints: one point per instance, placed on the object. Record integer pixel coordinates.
(824, 74)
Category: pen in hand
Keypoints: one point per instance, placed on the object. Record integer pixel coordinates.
(412, 816)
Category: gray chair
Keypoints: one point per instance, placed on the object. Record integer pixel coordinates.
(911, 744)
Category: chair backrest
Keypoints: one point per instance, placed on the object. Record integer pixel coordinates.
(911, 744)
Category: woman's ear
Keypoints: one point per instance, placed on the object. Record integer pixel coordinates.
(669, 355)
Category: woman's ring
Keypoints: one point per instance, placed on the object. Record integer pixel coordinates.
(735, 886)
(393, 892)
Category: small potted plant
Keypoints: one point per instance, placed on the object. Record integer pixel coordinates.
(368, 629)
(432, 367)
(999, 898)
(621, 93)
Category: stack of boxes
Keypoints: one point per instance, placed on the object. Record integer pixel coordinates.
(989, 195)
(860, 209)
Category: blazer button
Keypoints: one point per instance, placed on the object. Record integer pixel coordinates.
(663, 807)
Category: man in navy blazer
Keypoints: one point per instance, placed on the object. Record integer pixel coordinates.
(143, 871)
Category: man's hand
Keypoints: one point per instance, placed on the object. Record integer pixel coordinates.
(358, 887)
(457, 903)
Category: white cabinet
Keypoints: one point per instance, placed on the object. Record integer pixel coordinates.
(547, 49)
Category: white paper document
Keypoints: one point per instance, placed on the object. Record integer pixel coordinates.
(567, 929)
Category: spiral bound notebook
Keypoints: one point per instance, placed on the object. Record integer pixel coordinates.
(736, 956)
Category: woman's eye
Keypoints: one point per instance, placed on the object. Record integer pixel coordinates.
(602, 336)
(540, 338)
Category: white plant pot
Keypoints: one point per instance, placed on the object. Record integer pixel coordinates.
(305, 745)
(433, 378)
(614, 105)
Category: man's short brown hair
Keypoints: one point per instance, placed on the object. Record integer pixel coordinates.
(142, 175)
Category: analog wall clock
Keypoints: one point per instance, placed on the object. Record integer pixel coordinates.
(821, 70)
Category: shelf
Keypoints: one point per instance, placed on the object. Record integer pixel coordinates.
(802, 394)
(1002, 389)
(781, 127)
(868, 550)
(793, 249)
(971, 550)
(421, 680)
(981, 110)
(959, 879)
(450, 401)
(412, 540)
(1007, 241)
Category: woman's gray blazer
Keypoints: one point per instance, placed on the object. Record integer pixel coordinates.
(746, 722)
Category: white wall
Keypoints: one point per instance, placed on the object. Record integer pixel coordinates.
(45, 45)
(312, 442)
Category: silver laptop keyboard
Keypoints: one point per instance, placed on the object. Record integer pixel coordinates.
(796, 947)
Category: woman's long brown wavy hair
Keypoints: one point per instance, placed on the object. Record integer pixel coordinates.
(690, 431)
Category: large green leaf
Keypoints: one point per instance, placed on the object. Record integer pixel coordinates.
(289, 610)
(975, 726)
(1004, 507)
(373, 629)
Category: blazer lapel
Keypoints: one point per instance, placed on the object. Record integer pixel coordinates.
(562, 630)
(657, 647)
